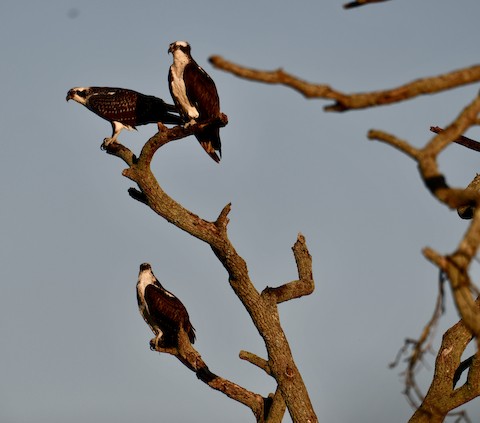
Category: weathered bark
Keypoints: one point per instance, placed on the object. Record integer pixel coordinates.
(442, 396)
(262, 307)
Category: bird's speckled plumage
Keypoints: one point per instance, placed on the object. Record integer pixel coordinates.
(124, 108)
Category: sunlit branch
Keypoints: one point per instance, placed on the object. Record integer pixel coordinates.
(442, 397)
(305, 284)
(462, 140)
(261, 309)
(392, 140)
(344, 101)
(190, 357)
(419, 347)
(468, 211)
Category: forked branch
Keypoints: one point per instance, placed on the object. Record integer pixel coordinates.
(305, 284)
(427, 157)
(442, 396)
(291, 392)
(190, 357)
(455, 265)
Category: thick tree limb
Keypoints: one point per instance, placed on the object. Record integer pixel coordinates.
(262, 309)
(277, 404)
(455, 265)
(467, 212)
(442, 397)
(343, 101)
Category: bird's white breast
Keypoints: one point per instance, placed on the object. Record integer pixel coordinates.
(143, 280)
(179, 90)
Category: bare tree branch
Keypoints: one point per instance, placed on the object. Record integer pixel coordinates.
(467, 212)
(455, 265)
(359, 3)
(419, 347)
(465, 141)
(187, 355)
(305, 284)
(277, 405)
(442, 397)
(256, 361)
(262, 308)
(343, 101)
(427, 157)
(277, 408)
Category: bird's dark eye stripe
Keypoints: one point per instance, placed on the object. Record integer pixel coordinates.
(82, 94)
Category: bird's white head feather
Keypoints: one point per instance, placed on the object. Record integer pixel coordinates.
(78, 94)
(145, 276)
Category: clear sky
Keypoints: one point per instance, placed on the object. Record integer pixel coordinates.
(74, 347)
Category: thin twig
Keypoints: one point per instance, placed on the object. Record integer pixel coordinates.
(359, 3)
(462, 140)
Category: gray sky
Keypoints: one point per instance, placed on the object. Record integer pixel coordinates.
(74, 347)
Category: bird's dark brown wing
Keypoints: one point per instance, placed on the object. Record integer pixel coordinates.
(168, 311)
(202, 93)
(115, 105)
(151, 109)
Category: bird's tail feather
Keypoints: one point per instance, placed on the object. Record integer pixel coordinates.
(172, 119)
(208, 147)
(171, 108)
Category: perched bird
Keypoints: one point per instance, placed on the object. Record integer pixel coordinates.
(124, 108)
(163, 312)
(195, 96)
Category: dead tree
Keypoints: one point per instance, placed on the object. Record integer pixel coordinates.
(443, 395)
(291, 393)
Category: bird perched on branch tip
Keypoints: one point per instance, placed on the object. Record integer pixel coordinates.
(124, 108)
(163, 311)
(195, 95)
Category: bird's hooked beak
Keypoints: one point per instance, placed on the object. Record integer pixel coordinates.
(70, 95)
(145, 267)
(170, 48)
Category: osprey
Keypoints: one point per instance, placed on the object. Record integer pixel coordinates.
(163, 312)
(195, 96)
(124, 108)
